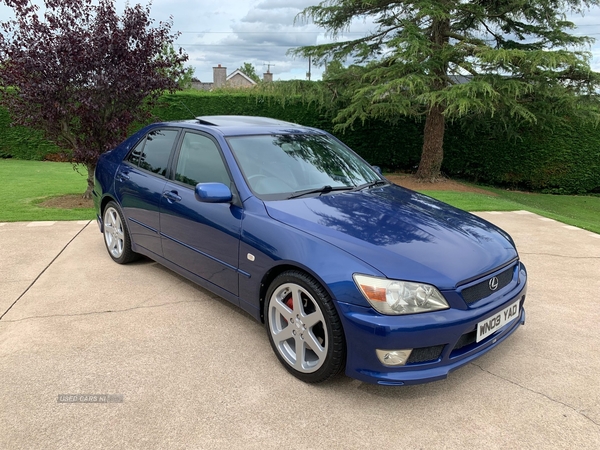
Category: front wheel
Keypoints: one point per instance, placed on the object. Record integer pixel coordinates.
(304, 328)
(116, 235)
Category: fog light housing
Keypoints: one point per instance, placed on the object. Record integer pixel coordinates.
(393, 357)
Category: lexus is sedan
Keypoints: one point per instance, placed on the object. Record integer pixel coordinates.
(347, 271)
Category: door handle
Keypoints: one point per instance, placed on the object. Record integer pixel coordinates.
(172, 196)
(122, 176)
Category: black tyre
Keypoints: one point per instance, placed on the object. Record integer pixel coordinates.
(304, 328)
(116, 235)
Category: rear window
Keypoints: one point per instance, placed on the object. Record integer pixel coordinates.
(153, 152)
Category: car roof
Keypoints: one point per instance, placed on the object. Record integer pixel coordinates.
(233, 121)
(248, 125)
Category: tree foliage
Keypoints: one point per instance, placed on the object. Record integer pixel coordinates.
(249, 70)
(182, 75)
(82, 74)
(510, 61)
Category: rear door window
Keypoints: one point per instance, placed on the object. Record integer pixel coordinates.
(153, 153)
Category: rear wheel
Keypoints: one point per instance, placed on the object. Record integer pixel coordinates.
(116, 235)
(304, 328)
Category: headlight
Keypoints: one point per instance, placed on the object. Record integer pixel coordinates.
(393, 297)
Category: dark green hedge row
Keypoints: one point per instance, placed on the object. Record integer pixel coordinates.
(21, 142)
(566, 161)
(395, 147)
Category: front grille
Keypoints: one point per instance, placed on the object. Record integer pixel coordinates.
(425, 354)
(482, 289)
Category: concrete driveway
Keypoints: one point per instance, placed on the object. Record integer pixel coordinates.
(187, 370)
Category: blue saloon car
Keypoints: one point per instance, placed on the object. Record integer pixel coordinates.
(347, 271)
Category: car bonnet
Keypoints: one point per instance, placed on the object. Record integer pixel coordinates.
(402, 234)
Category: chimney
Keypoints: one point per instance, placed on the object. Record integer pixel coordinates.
(219, 76)
(267, 77)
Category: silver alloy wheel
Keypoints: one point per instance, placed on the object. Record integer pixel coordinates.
(113, 232)
(298, 327)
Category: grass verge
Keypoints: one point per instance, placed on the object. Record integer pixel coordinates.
(579, 211)
(25, 183)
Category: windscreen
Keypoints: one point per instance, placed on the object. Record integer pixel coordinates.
(279, 166)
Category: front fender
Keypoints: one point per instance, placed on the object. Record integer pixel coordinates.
(266, 244)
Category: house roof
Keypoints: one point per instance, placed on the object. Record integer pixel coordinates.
(239, 72)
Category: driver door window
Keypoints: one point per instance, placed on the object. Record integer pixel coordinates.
(200, 161)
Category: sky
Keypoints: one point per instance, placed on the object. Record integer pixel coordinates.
(260, 32)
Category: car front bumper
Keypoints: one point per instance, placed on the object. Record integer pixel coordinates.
(442, 341)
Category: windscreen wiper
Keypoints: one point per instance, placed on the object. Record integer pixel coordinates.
(371, 185)
(323, 190)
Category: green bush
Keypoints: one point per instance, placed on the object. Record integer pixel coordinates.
(391, 147)
(566, 161)
(22, 143)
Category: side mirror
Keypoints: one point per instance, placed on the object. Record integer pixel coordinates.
(377, 169)
(212, 193)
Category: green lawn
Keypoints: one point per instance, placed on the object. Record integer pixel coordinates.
(471, 201)
(580, 211)
(25, 183)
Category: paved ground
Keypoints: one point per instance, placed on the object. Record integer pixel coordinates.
(195, 372)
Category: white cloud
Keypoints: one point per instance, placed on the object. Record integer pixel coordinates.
(231, 32)
(261, 34)
(588, 24)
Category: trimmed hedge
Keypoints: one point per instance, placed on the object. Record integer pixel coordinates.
(391, 147)
(566, 161)
(22, 143)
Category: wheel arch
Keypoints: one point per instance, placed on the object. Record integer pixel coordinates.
(277, 270)
(105, 200)
(102, 206)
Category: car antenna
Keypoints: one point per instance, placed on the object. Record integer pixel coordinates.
(189, 110)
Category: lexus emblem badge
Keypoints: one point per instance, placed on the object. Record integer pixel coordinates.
(493, 284)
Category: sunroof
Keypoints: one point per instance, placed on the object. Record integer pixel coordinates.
(240, 121)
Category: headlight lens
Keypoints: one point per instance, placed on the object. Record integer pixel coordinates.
(394, 297)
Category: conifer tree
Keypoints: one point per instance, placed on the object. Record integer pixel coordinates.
(511, 60)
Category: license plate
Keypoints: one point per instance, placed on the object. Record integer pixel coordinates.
(497, 321)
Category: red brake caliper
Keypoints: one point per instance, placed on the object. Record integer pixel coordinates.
(290, 304)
